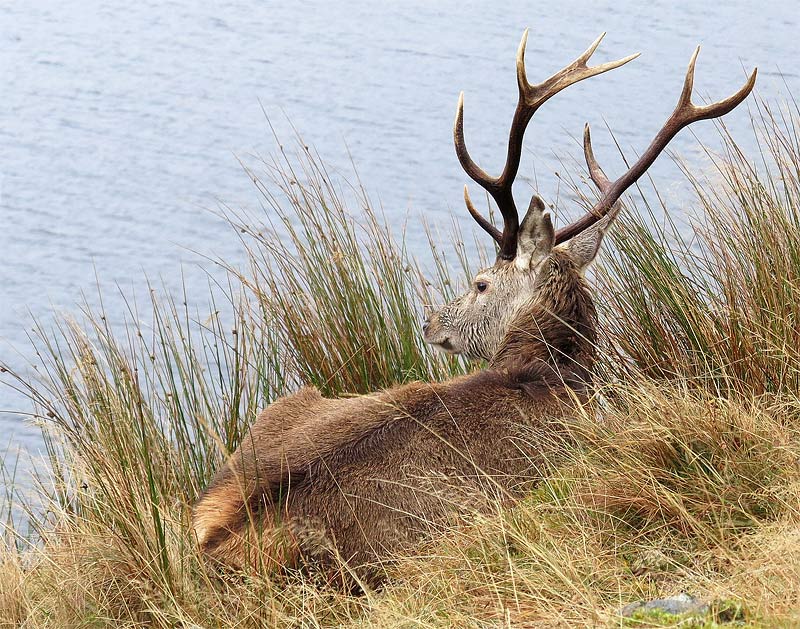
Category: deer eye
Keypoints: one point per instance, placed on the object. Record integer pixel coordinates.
(481, 286)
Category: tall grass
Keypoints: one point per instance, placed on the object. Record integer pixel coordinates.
(721, 303)
(341, 293)
(135, 423)
(685, 478)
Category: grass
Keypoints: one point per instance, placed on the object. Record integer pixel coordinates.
(684, 478)
(720, 307)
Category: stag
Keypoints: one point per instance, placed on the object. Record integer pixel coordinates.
(346, 484)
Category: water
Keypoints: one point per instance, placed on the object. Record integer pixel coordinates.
(121, 123)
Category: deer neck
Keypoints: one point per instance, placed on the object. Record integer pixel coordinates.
(557, 329)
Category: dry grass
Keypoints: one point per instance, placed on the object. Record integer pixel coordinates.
(673, 491)
(684, 478)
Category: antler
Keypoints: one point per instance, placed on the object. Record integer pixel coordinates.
(685, 114)
(531, 97)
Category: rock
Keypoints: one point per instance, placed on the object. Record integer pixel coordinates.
(676, 605)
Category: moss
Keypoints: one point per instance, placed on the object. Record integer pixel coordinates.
(722, 613)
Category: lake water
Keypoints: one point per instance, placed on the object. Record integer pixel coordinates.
(121, 123)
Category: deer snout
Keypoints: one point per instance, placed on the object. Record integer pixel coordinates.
(431, 328)
(437, 334)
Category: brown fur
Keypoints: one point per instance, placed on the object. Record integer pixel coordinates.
(559, 328)
(357, 480)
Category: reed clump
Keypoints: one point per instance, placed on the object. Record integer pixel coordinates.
(716, 301)
(682, 475)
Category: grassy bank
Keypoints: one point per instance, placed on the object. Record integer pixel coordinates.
(685, 478)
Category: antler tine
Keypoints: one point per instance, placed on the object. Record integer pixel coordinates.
(685, 99)
(475, 172)
(522, 80)
(685, 113)
(595, 172)
(722, 107)
(486, 225)
(531, 97)
(573, 73)
(493, 185)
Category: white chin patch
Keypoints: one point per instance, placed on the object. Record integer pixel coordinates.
(445, 347)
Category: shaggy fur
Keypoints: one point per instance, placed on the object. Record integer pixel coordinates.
(354, 481)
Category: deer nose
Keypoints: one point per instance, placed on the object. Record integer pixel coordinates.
(425, 325)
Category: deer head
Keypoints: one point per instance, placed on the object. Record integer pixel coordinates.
(475, 323)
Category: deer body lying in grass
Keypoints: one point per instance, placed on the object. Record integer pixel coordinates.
(351, 482)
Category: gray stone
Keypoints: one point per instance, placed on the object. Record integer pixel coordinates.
(679, 604)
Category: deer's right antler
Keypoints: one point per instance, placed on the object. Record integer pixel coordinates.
(531, 97)
(685, 114)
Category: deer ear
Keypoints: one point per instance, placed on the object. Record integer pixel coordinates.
(536, 236)
(583, 248)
